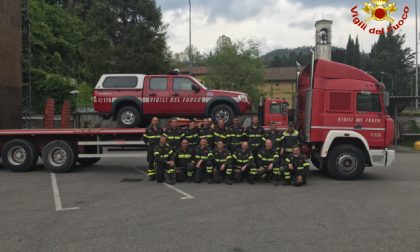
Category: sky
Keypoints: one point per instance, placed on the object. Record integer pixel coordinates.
(275, 23)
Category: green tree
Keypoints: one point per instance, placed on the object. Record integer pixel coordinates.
(349, 52)
(356, 54)
(276, 62)
(237, 66)
(182, 59)
(126, 37)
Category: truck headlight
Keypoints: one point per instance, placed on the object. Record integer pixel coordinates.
(242, 98)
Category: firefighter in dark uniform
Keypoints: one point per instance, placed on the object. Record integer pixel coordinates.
(191, 134)
(297, 168)
(164, 160)
(203, 162)
(206, 132)
(184, 162)
(235, 137)
(220, 133)
(269, 163)
(254, 134)
(222, 164)
(289, 139)
(152, 137)
(274, 135)
(174, 135)
(244, 165)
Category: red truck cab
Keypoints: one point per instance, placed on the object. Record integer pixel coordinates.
(133, 99)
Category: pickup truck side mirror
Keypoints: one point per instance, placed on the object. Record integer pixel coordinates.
(195, 87)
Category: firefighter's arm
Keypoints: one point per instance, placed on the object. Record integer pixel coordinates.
(289, 161)
(228, 159)
(158, 158)
(146, 138)
(259, 162)
(276, 159)
(300, 139)
(171, 156)
(251, 161)
(305, 170)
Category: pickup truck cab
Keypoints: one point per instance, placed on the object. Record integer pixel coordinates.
(133, 99)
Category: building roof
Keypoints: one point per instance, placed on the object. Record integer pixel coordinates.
(275, 73)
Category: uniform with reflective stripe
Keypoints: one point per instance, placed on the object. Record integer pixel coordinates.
(152, 138)
(268, 157)
(235, 135)
(163, 155)
(220, 135)
(254, 135)
(241, 159)
(300, 166)
(184, 157)
(275, 138)
(191, 135)
(206, 133)
(290, 139)
(174, 137)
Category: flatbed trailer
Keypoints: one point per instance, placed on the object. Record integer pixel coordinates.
(61, 149)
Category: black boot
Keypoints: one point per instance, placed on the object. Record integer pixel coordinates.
(171, 179)
(250, 181)
(267, 179)
(152, 178)
(210, 181)
(275, 182)
(304, 181)
(228, 181)
(190, 179)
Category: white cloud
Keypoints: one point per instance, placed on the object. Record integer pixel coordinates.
(278, 24)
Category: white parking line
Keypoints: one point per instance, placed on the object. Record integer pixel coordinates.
(187, 196)
(57, 199)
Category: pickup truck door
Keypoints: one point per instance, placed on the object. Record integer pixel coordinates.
(156, 96)
(184, 100)
(370, 118)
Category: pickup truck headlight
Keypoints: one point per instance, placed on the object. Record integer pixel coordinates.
(242, 98)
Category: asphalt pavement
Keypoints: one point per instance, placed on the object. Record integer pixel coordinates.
(91, 209)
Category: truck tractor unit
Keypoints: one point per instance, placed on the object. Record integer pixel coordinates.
(133, 99)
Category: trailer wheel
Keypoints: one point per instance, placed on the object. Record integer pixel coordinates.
(222, 112)
(59, 156)
(128, 117)
(88, 161)
(346, 162)
(19, 155)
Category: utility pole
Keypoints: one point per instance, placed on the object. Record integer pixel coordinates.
(417, 63)
(190, 36)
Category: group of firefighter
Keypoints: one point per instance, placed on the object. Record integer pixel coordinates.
(230, 154)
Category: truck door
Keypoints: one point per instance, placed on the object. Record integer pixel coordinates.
(370, 118)
(276, 111)
(184, 100)
(156, 96)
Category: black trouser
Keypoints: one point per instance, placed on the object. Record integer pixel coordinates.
(275, 172)
(205, 169)
(286, 172)
(181, 172)
(294, 175)
(238, 174)
(255, 150)
(234, 147)
(218, 175)
(160, 171)
(151, 160)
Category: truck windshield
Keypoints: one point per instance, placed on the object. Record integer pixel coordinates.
(199, 83)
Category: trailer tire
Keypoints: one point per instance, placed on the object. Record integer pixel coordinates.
(346, 162)
(19, 155)
(88, 161)
(59, 156)
(223, 112)
(128, 117)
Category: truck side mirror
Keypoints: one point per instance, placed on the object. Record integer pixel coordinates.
(195, 87)
(385, 95)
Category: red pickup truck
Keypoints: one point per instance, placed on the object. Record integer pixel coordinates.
(132, 99)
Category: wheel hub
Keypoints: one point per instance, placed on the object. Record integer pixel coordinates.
(222, 114)
(347, 163)
(16, 155)
(127, 117)
(57, 156)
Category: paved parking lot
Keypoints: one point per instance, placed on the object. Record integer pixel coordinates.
(98, 212)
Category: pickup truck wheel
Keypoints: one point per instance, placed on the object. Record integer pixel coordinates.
(346, 162)
(19, 155)
(128, 117)
(59, 156)
(223, 112)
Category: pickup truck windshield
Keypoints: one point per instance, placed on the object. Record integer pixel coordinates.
(199, 83)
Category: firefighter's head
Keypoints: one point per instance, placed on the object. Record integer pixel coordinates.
(244, 146)
(296, 150)
(206, 122)
(255, 121)
(221, 124)
(220, 145)
(163, 140)
(290, 127)
(174, 123)
(268, 144)
(192, 124)
(184, 144)
(273, 126)
(236, 121)
(203, 143)
(155, 121)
